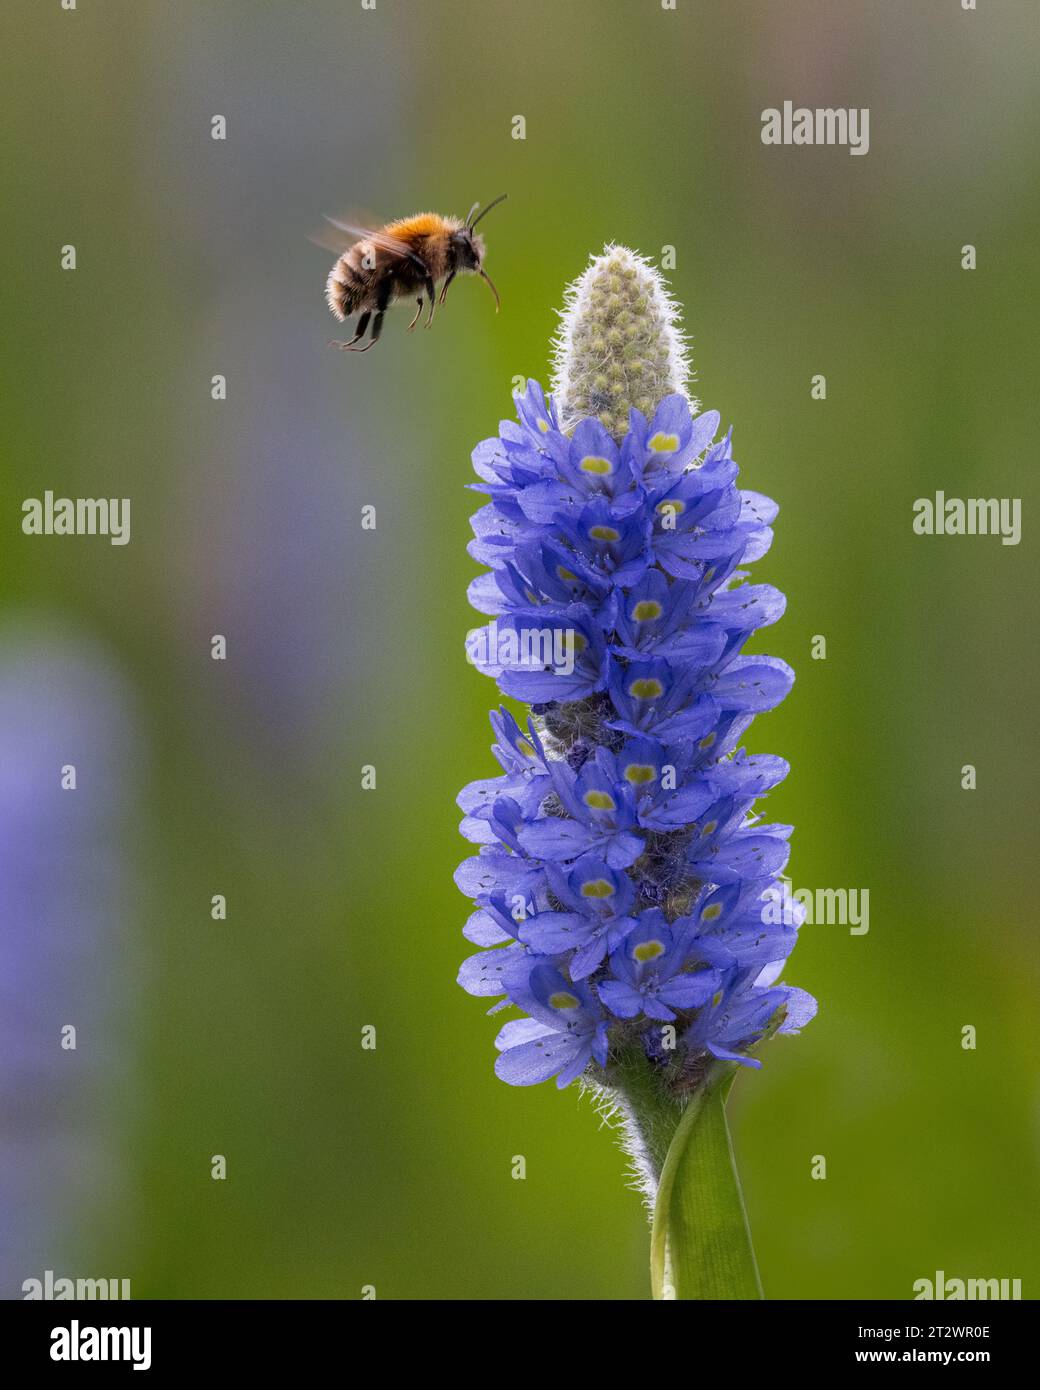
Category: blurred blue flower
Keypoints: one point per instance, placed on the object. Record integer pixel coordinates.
(66, 891)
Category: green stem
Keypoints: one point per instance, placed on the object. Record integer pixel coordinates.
(700, 1242)
(700, 1245)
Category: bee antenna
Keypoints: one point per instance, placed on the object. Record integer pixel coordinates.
(469, 215)
(494, 203)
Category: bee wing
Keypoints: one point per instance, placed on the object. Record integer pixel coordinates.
(391, 244)
(338, 233)
(329, 239)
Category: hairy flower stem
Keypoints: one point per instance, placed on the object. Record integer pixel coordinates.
(651, 1115)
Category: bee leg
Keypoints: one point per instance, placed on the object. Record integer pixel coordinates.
(417, 313)
(359, 333)
(377, 322)
(432, 296)
(444, 287)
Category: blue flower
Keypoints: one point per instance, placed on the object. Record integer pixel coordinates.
(649, 974)
(543, 573)
(667, 445)
(599, 900)
(565, 1031)
(744, 1012)
(611, 541)
(624, 885)
(599, 814)
(661, 619)
(662, 698)
(543, 654)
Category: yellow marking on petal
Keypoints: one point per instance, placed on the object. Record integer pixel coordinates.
(710, 828)
(597, 888)
(566, 575)
(712, 911)
(706, 741)
(646, 610)
(543, 425)
(648, 950)
(662, 443)
(716, 999)
(672, 505)
(710, 574)
(646, 688)
(604, 533)
(640, 773)
(599, 801)
(561, 999)
(531, 596)
(524, 748)
(578, 643)
(593, 463)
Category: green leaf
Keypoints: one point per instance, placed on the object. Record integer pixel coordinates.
(700, 1245)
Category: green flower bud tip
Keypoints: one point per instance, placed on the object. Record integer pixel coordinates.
(620, 343)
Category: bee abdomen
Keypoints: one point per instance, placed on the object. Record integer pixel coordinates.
(344, 289)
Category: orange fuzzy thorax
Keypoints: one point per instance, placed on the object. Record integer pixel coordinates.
(422, 224)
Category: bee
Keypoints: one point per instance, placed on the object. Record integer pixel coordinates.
(404, 258)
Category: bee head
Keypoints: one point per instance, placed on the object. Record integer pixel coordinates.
(469, 249)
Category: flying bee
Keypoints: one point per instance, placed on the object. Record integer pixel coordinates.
(404, 259)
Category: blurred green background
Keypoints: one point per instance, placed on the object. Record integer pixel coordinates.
(391, 1168)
